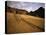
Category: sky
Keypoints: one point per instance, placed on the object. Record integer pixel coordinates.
(29, 6)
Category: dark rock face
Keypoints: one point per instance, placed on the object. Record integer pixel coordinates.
(39, 12)
(11, 10)
(17, 11)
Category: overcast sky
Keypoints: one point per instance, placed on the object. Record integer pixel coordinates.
(29, 6)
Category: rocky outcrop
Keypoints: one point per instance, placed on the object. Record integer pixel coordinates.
(17, 11)
(39, 12)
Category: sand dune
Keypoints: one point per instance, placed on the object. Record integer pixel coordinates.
(24, 23)
(34, 20)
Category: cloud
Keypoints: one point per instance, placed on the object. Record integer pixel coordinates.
(29, 6)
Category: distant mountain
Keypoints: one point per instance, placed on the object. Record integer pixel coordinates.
(17, 11)
(20, 11)
(11, 10)
(39, 12)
